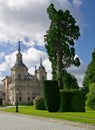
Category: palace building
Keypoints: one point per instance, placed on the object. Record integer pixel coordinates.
(21, 84)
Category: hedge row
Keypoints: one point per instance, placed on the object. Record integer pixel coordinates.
(72, 100)
(65, 100)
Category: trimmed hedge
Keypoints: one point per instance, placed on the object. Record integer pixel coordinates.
(72, 100)
(39, 103)
(51, 95)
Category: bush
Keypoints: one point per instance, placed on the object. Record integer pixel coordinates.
(72, 100)
(51, 95)
(39, 103)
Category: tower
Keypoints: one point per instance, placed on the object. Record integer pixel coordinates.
(41, 72)
(19, 70)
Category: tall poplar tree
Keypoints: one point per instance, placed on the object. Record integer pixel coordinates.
(60, 39)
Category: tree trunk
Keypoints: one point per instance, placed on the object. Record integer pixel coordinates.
(59, 71)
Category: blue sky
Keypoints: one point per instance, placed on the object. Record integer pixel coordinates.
(27, 21)
(86, 42)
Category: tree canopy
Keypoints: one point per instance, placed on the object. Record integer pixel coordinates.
(89, 75)
(91, 96)
(70, 82)
(60, 39)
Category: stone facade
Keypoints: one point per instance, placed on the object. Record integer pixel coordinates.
(21, 84)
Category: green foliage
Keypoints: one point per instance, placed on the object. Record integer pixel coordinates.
(89, 76)
(78, 101)
(72, 100)
(51, 95)
(60, 39)
(39, 103)
(70, 82)
(66, 97)
(91, 96)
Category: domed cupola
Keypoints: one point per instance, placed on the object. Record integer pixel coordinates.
(41, 72)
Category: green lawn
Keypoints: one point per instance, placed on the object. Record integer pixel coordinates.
(87, 117)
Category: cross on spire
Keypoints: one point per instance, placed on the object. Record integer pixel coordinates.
(19, 46)
(40, 61)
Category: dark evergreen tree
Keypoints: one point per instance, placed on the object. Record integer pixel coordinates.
(89, 76)
(60, 39)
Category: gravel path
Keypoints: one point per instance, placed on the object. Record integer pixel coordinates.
(9, 121)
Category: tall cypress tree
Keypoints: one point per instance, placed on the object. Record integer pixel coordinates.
(60, 39)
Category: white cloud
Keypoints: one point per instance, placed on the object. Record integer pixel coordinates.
(3, 67)
(32, 56)
(2, 54)
(47, 65)
(29, 18)
(78, 72)
(10, 59)
(77, 3)
(21, 18)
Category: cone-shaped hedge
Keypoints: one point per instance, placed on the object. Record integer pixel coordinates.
(51, 95)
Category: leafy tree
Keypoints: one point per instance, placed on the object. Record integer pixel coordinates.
(60, 39)
(70, 82)
(89, 76)
(91, 96)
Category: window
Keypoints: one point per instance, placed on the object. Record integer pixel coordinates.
(28, 93)
(43, 78)
(20, 93)
(33, 97)
(19, 76)
(20, 99)
(28, 98)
